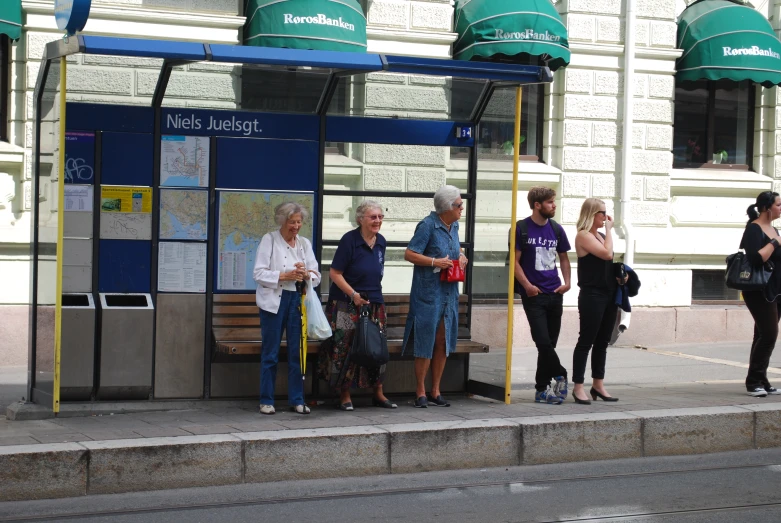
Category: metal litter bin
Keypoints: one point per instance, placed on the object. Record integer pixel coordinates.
(77, 347)
(126, 338)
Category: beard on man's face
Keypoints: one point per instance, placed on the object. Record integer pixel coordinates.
(549, 213)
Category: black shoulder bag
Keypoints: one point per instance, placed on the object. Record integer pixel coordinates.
(370, 344)
(743, 276)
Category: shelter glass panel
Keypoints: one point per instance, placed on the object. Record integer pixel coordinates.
(291, 91)
(401, 216)
(202, 85)
(115, 80)
(494, 140)
(47, 208)
(417, 97)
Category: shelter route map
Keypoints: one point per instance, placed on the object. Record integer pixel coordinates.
(184, 161)
(244, 217)
(183, 214)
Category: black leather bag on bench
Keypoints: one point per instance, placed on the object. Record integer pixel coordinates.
(370, 344)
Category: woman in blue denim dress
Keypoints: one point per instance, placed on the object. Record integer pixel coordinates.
(432, 322)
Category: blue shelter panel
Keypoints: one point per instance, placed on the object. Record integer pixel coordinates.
(271, 165)
(79, 157)
(398, 131)
(117, 118)
(363, 62)
(111, 46)
(125, 266)
(203, 122)
(127, 159)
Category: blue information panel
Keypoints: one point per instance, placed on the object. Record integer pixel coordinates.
(127, 159)
(79, 157)
(275, 165)
(202, 122)
(125, 266)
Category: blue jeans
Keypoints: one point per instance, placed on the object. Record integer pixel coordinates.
(272, 326)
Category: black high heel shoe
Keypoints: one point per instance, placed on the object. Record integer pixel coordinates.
(580, 401)
(595, 394)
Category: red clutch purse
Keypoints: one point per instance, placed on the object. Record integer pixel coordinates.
(453, 274)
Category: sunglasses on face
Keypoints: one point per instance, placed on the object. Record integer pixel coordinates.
(374, 217)
(603, 213)
(459, 205)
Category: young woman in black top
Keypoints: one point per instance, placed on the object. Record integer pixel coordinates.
(596, 300)
(761, 241)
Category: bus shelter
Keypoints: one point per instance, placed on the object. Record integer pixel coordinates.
(148, 214)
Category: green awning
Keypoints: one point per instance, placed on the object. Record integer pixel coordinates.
(510, 29)
(11, 18)
(726, 40)
(329, 25)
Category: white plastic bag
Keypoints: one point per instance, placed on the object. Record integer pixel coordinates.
(317, 326)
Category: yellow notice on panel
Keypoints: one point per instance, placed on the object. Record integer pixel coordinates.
(126, 199)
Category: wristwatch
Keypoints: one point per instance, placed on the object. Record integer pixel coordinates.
(774, 242)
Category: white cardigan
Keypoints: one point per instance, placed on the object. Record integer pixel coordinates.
(275, 256)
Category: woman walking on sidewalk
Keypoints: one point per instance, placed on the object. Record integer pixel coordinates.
(761, 241)
(596, 301)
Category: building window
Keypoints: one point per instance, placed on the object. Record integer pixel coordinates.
(5, 72)
(714, 124)
(708, 285)
(497, 126)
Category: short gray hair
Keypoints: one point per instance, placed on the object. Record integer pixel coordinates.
(284, 211)
(445, 197)
(365, 206)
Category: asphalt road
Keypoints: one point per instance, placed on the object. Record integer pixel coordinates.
(740, 486)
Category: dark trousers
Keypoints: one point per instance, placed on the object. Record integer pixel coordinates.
(544, 315)
(597, 317)
(766, 315)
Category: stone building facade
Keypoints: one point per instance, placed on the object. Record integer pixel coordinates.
(685, 220)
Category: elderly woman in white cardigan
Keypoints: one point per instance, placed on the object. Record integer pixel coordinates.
(283, 259)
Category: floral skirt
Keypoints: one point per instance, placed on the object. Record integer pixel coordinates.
(333, 352)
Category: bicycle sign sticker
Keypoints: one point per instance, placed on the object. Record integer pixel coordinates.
(79, 157)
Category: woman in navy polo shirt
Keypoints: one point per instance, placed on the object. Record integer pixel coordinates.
(356, 280)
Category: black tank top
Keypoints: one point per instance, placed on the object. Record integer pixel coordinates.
(596, 273)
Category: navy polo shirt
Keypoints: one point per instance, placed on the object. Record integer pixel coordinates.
(361, 266)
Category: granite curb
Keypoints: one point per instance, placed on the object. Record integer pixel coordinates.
(99, 467)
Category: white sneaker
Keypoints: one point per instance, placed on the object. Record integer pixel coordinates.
(772, 390)
(267, 409)
(759, 392)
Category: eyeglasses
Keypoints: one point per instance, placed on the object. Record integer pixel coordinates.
(376, 217)
(459, 205)
(603, 213)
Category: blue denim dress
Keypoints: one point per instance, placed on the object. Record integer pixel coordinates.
(431, 298)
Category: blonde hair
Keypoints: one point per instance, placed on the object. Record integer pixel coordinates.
(587, 212)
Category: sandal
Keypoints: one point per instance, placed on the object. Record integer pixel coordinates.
(383, 404)
(267, 409)
(301, 409)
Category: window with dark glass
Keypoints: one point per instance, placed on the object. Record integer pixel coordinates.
(714, 124)
(708, 285)
(494, 140)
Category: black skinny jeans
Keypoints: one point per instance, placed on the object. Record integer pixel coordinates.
(598, 311)
(544, 315)
(766, 315)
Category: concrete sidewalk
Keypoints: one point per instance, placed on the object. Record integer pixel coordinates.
(673, 400)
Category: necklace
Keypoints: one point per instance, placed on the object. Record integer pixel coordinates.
(368, 242)
(443, 221)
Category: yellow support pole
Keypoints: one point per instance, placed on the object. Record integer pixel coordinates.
(60, 234)
(508, 371)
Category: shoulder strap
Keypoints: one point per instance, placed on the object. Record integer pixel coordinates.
(521, 224)
(557, 228)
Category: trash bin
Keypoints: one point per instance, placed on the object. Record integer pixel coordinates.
(77, 347)
(126, 338)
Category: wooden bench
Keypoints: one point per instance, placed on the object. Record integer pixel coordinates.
(236, 325)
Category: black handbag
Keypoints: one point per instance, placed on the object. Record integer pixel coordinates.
(370, 344)
(743, 276)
